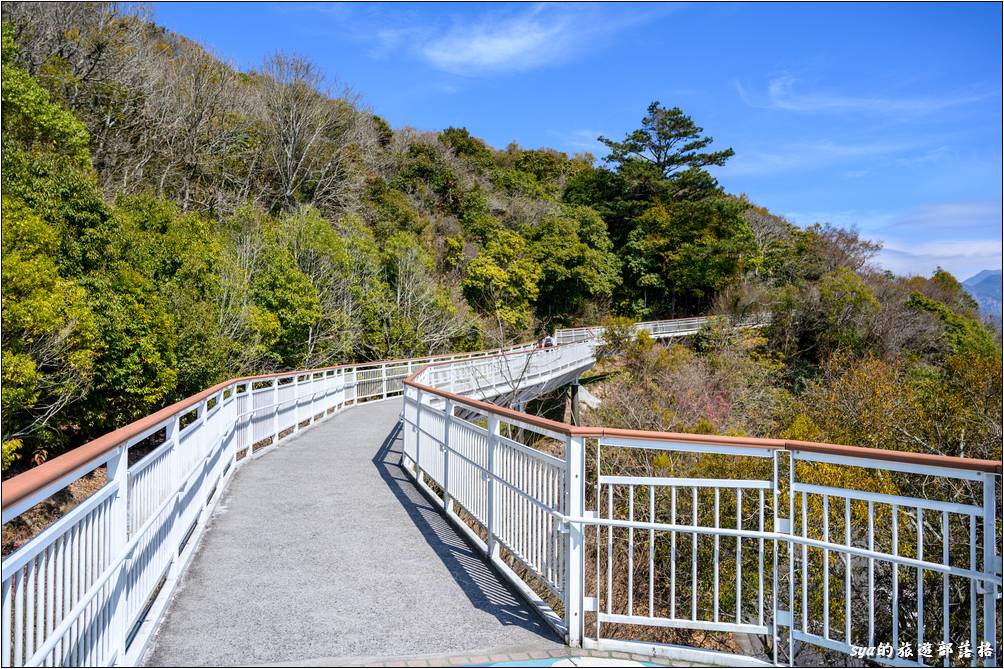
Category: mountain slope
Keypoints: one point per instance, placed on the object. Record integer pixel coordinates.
(985, 288)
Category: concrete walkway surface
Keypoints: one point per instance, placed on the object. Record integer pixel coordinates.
(324, 552)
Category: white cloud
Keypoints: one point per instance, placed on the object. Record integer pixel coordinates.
(961, 237)
(962, 258)
(582, 141)
(810, 155)
(781, 94)
(542, 35)
(958, 215)
(483, 39)
(866, 221)
(518, 43)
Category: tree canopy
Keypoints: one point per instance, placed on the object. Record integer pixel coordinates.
(170, 221)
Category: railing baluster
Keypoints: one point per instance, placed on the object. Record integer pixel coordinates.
(8, 609)
(715, 559)
(739, 556)
(610, 548)
(651, 552)
(29, 611)
(447, 429)
(672, 554)
(693, 565)
(973, 624)
(491, 446)
(760, 592)
(895, 576)
(990, 564)
(826, 567)
(871, 574)
(805, 564)
(847, 571)
(275, 410)
(630, 591)
(920, 577)
(945, 560)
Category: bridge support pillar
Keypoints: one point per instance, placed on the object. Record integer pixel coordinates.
(573, 394)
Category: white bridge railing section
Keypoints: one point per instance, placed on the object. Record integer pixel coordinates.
(675, 327)
(771, 561)
(81, 592)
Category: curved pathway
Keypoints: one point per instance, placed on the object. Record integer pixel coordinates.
(324, 552)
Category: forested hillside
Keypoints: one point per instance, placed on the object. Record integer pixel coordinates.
(170, 221)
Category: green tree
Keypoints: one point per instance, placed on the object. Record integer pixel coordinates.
(681, 254)
(670, 145)
(284, 292)
(49, 337)
(576, 260)
(847, 308)
(180, 254)
(136, 371)
(962, 334)
(503, 281)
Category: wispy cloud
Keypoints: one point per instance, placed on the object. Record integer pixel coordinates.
(783, 93)
(521, 42)
(961, 237)
(961, 217)
(503, 40)
(962, 258)
(581, 141)
(811, 155)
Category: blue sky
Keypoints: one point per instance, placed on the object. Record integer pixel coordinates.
(883, 116)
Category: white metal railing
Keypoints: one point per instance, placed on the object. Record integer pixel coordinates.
(847, 568)
(676, 327)
(739, 555)
(518, 494)
(760, 554)
(78, 593)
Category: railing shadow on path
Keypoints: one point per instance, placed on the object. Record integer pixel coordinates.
(482, 585)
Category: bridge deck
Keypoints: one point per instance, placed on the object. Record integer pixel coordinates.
(323, 549)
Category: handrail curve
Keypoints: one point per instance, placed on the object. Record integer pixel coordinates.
(108, 566)
(885, 454)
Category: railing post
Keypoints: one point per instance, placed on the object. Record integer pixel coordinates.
(777, 527)
(296, 403)
(275, 410)
(177, 532)
(247, 403)
(418, 435)
(493, 433)
(118, 475)
(989, 567)
(575, 508)
(205, 444)
(383, 379)
(447, 421)
(312, 395)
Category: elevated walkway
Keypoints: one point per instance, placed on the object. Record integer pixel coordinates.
(324, 552)
(335, 496)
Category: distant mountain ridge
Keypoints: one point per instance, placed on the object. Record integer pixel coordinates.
(985, 288)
